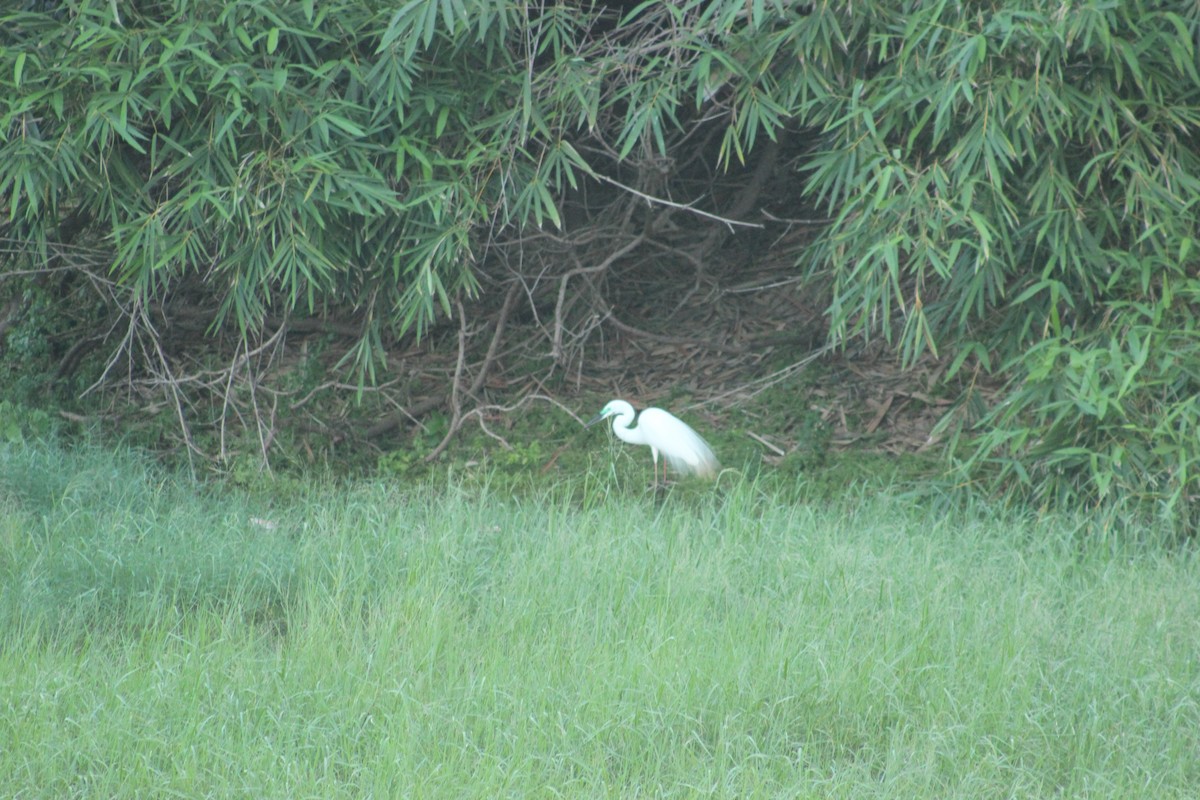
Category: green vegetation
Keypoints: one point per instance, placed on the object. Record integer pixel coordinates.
(364, 639)
(316, 235)
(1009, 187)
(1017, 186)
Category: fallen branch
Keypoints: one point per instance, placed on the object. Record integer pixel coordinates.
(765, 443)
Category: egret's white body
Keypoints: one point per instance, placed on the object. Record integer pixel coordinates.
(664, 433)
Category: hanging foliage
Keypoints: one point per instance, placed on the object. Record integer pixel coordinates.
(1011, 186)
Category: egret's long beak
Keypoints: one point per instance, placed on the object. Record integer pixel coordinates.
(595, 419)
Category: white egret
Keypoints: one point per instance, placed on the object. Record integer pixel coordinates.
(665, 433)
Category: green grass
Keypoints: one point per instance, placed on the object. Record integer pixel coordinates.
(380, 641)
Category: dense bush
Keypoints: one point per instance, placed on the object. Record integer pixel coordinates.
(1017, 186)
(1012, 185)
(293, 155)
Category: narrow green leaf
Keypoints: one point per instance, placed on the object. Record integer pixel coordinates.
(346, 125)
(431, 11)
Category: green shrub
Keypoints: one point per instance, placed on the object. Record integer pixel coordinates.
(1015, 186)
(1012, 185)
(291, 155)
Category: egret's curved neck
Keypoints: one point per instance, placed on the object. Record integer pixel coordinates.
(623, 427)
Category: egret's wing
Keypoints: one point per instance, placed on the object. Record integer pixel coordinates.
(682, 447)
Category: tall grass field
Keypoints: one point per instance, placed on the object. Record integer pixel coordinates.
(163, 639)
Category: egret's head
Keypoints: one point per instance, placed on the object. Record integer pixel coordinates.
(613, 409)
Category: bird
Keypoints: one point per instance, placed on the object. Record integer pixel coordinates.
(665, 433)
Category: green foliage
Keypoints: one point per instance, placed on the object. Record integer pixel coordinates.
(293, 155)
(1017, 186)
(525, 456)
(1109, 415)
(1012, 185)
(18, 423)
(409, 462)
(37, 337)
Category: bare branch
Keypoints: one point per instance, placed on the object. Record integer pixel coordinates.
(684, 207)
